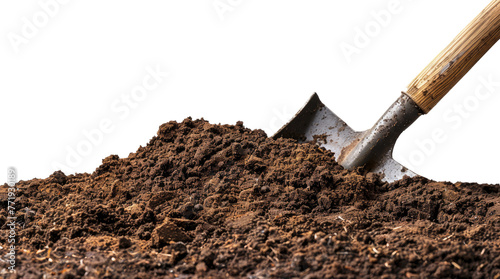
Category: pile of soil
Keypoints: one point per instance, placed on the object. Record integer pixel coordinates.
(203, 200)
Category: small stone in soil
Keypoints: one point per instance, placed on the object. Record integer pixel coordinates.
(299, 262)
(187, 211)
(124, 243)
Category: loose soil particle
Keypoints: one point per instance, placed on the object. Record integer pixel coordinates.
(212, 201)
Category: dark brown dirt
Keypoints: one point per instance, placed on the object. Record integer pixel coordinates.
(203, 200)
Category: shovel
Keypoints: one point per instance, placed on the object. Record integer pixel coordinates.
(372, 149)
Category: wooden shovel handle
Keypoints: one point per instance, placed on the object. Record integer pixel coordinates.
(448, 68)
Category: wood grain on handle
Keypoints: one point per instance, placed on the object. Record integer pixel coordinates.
(448, 68)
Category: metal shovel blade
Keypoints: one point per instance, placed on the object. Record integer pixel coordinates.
(371, 149)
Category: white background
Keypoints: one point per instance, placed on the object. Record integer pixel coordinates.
(256, 61)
